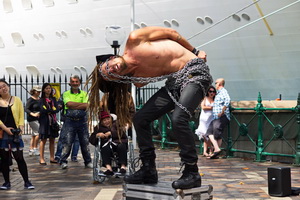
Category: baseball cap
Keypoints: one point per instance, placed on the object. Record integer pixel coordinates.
(104, 115)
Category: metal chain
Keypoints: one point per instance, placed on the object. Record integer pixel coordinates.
(195, 71)
(128, 79)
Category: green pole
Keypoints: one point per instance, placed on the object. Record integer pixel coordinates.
(163, 131)
(200, 147)
(260, 145)
(297, 109)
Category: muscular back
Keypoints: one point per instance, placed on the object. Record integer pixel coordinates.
(156, 58)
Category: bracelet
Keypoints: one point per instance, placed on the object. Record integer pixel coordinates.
(195, 51)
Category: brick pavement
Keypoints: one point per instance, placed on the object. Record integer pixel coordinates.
(232, 178)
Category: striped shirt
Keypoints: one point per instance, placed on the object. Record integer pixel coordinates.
(222, 99)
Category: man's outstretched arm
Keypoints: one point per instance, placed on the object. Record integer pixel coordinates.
(154, 33)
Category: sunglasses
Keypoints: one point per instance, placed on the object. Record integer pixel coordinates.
(211, 91)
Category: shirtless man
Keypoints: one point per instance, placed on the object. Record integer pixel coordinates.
(152, 54)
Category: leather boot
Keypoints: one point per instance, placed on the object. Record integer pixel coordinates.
(190, 178)
(146, 174)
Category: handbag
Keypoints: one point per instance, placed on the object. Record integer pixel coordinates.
(55, 126)
(54, 129)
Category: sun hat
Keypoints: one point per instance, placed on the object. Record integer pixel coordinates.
(37, 88)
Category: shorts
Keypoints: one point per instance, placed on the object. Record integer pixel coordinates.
(34, 125)
(217, 127)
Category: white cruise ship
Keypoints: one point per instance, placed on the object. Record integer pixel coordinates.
(254, 45)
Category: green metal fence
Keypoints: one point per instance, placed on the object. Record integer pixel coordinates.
(259, 129)
(262, 139)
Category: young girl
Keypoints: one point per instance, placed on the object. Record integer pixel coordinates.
(48, 110)
(112, 140)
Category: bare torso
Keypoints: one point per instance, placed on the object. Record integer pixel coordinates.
(156, 58)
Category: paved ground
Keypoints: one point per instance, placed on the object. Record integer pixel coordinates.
(232, 178)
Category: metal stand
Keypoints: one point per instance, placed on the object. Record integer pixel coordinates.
(164, 191)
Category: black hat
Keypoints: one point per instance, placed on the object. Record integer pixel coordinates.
(103, 58)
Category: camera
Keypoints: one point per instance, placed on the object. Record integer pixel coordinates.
(16, 132)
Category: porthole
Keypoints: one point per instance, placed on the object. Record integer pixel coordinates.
(175, 22)
(200, 20)
(208, 20)
(246, 16)
(167, 23)
(236, 17)
(17, 38)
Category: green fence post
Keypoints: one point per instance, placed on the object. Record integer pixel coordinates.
(229, 153)
(260, 143)
(163, 131)
(297, 109)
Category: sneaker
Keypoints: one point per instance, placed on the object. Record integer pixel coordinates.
(36, 152)
(89, 165)
(74, 159)
(5, 186)
(108, 173)
(31, 152)
(28, 186)
(122, 171)
(64, 165)
(101, 173)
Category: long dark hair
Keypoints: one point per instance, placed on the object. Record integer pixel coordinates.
(211, 87)
(121, 94)
(43, 93)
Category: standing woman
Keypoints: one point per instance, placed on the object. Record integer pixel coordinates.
(12, 124)
(205, 119)
(33, 112)
(48, 110)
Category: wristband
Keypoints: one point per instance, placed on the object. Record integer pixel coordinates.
(195, 51)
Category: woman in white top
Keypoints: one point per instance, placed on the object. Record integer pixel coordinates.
(205, 119)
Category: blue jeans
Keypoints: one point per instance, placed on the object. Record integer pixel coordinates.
(59, 148)
(73, 128)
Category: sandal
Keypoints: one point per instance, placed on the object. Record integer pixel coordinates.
(215, 155)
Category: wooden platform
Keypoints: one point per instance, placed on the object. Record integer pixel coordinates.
(164, 191)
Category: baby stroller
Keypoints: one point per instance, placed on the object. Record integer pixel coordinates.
(98, 169)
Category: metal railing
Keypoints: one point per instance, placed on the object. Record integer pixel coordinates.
(262, 140)
(259, 139)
